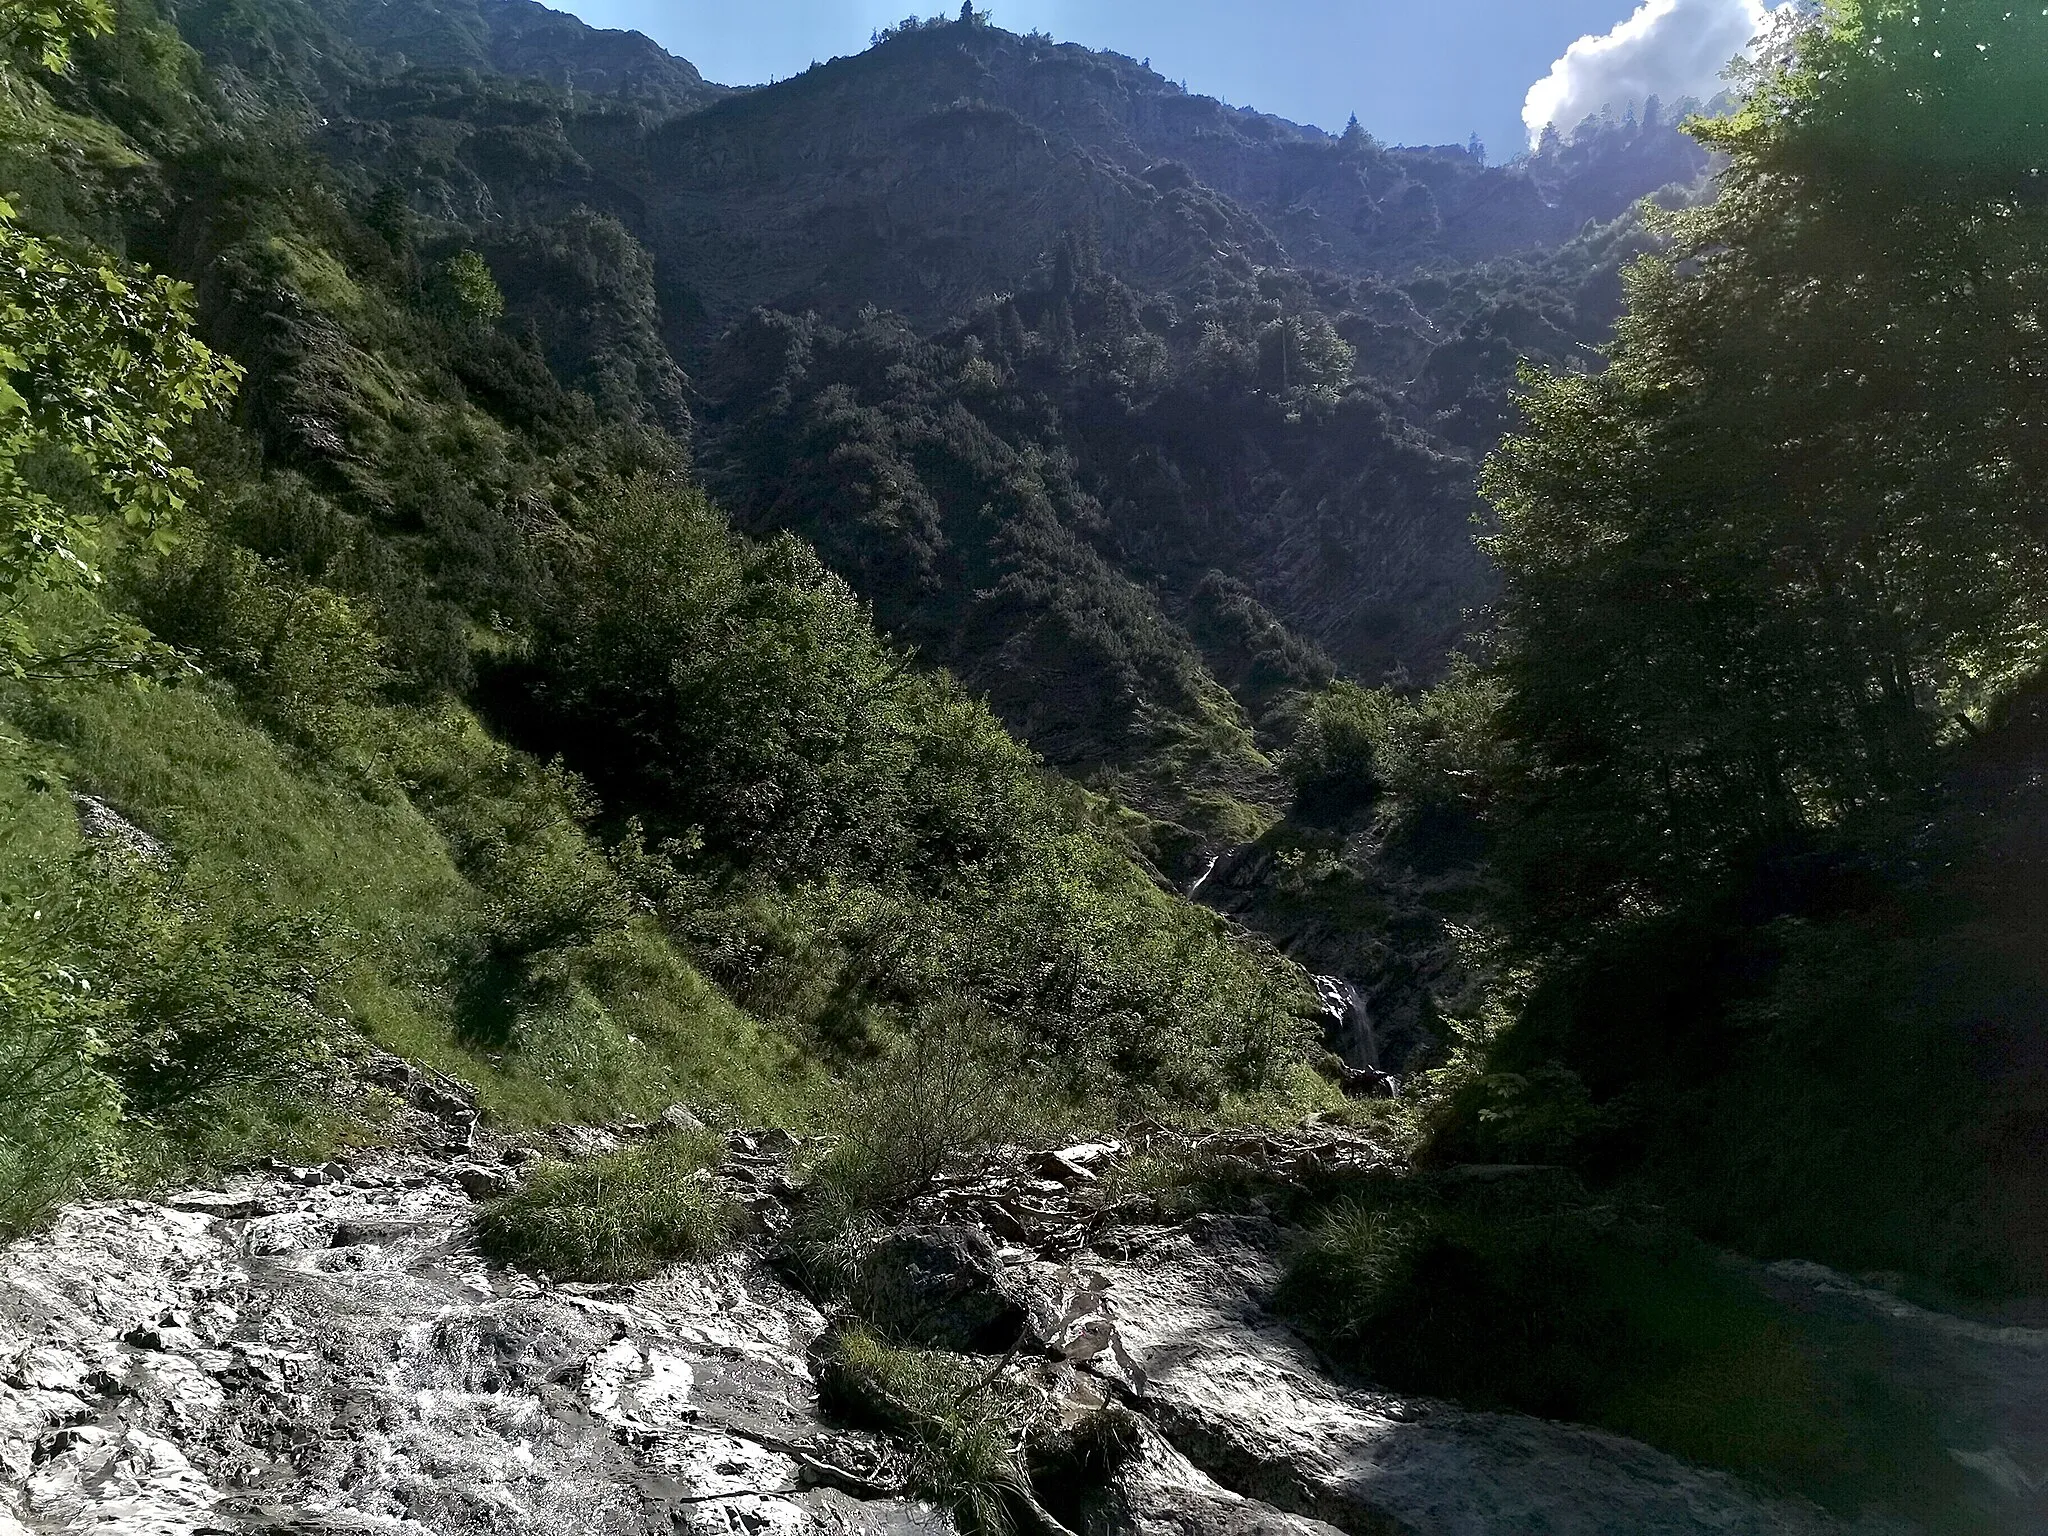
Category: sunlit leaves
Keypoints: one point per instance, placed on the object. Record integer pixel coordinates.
(100, 369)
(44, 30)
(1758, 568)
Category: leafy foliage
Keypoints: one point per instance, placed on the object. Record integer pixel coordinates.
(1774, 593)
(59, 1108)
(98, 367)
(146, 1027)
(46, 29)
(1759, 566)
(457, 462)
(948, 1092)
(735, 698)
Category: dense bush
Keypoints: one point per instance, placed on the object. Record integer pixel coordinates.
(58, 1108)
(142, 1027)
(735, 696)
(455, 460)
(1774, 584)
(1759, 568)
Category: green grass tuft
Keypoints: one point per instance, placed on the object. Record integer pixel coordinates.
(619, 1217)
(965, 1430)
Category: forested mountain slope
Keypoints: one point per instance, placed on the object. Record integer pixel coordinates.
(1214, 379)
(473, 670)
(415, 700)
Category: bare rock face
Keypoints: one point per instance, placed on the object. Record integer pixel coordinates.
(941, 1287)
(107, 829)
(320, 1351)
(293, 1356)
(1989, 1379)
(1159, 1492)
(1177, 1327)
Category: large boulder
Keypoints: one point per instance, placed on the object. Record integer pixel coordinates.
(1179, 1328)
(939, 1286)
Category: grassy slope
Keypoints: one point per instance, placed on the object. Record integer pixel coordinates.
(255, 830)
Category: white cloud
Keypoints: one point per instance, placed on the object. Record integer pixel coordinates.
(1669, 48)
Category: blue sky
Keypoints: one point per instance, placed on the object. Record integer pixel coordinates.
(1415, 71)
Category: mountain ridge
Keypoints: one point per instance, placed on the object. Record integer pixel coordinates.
(1130, 264)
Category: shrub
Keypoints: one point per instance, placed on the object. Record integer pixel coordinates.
(950, 1089)
(213, 1007)
(58, 1108)
(471, 290)
(1334, 761)
(300, 657)
(143, 1029)
(738, 698)
(618, 1217)
(966, 1428)
(99, 369)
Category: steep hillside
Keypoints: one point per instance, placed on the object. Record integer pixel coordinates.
(561, 769)
(1175, 389)
(372, 682)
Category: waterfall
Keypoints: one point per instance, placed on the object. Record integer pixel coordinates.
(1350, 1021)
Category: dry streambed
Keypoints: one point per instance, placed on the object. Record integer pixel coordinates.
(322, 1350)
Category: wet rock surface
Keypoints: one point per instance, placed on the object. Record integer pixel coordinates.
(321, 1350)
(1988, 1378)
(295, 1356)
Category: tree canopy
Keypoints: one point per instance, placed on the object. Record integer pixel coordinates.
(1791, 537)
(98, 369)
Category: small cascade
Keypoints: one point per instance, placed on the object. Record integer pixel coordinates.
(1349, 1022)
(1195, 890)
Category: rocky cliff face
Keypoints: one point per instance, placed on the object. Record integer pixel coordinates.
(322, 1350)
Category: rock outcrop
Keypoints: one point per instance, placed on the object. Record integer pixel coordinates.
(301, 1355)
(1176, 1323)
(1987, 1377)
(322, 1350)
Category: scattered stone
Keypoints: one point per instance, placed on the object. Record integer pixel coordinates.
(1159, 1492)
(108, 830)
(482, 1184)
(1073, 1165)
(62, 1441)
(584, 1141)
(221, 1206)
(332, 1356)
(773, 1143)
(678, 1118)
(445, 1108)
